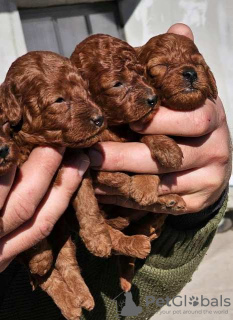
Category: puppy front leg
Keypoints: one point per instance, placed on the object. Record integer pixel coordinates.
(55, 286)
(67, 266)
(141, 188)
(93, 228)
(134, 246)
(164, 149)
(119, 181)
(150, 226)
(64, 282)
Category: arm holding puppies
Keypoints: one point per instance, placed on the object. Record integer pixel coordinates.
(30, 206)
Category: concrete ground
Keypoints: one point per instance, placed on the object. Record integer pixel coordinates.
(211, 283)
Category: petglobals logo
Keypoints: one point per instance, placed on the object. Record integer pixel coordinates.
(185, 301)
(127, 305)
(202, 301)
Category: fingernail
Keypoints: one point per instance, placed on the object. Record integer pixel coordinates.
(137, 126)
(83, 164)
(96, 158)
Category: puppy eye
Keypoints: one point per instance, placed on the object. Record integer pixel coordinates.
(118, 84)
(59, 100)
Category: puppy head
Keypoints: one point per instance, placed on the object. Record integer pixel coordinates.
(45, 101)
(177, 69)
(115, 78)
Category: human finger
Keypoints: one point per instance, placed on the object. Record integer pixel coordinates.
(136, 157)
(185, 182)
(190, 182)
(31, 184)
(182, 29)
(49, 211)
(194, 203)
(193, 123)
(6, 182)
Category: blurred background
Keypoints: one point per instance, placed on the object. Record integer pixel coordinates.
(58, 25)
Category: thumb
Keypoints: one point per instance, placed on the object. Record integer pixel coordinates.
(182, 29)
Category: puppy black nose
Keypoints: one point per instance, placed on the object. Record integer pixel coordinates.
(4, 151)
(152, 100)
(190, 75)
(98, 121)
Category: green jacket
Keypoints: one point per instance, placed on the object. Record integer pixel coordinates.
(175, 256)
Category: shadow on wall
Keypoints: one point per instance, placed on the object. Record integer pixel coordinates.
(127, 7)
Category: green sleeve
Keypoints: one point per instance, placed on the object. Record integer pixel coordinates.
(175, 256)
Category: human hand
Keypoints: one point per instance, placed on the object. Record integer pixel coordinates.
(30, 204)
(204, 138)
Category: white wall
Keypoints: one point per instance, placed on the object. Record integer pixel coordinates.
(12, 44)
(212, 24)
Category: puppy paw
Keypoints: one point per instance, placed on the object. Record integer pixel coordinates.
(40, 258)
(140, 246)
(69, 308)
(42, 266)
(165, 150)
(169, 157)
(144, 189)
(88, 303)
(125, 285)
(172, 202)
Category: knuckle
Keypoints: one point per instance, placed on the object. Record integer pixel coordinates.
(23, 211)
(202, 123)
(44, 229)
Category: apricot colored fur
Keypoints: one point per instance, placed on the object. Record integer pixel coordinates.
(45, 101)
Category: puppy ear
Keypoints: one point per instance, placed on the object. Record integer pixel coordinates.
(10, 109)
(212, 84)
(213, 92)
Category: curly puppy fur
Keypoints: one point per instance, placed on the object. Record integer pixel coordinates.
(179, 73)
(116, 83)
(44, 101)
